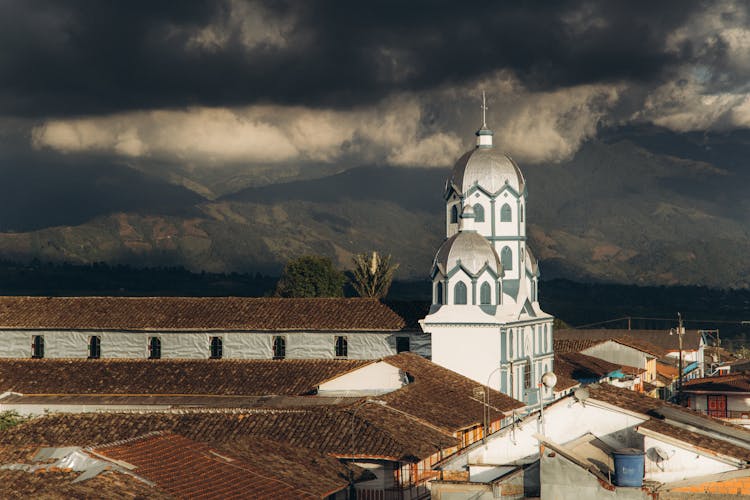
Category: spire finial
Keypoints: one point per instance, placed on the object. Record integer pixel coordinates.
(484, 111)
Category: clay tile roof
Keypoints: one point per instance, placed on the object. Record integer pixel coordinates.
(711, 445)
(58, 485)
(654, 338)
(219, 377)
(580, 366)
(563, 346)
(442, 397)
(189, 469)
(739, 382)
(379, 432)
(197, 313)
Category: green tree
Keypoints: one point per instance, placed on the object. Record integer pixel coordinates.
(311, 276)
(373, 274)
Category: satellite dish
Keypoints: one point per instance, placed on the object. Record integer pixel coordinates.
(661, 453)
(549, 380)
(581, 394)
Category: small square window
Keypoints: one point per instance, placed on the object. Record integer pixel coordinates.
(402, 344)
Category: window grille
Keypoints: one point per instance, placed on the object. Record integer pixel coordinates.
(485, 294)
(459, 293)
(527, 376)
(37, 346)
(505, 213)
(341, 348)
(217, 348)
(279, 348)
(478, 213)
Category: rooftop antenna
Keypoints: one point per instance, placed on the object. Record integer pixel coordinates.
(484, 111)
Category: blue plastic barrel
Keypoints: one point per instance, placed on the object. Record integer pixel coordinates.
(629, 467)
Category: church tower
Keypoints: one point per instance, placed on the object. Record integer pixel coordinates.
(485, 320)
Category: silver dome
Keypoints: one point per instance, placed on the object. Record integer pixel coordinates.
(487, 167)
(469, 247)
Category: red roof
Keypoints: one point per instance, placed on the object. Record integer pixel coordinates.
(197, 313)
(189, 469)
(739, 382)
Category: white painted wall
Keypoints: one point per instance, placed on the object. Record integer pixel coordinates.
(473, 352)
(682, 464)
(563, 422)
(195, 345)
(375, 378)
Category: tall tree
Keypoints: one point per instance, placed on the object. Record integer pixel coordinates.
(311, 276)
(373, 274)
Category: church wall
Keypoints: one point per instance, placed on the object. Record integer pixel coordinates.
(196, 345)
(473, 352)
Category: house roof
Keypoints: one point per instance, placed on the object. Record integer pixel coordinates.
(177, 377)
(362, 430)
(197, 313)
(435, 395)
(579, 366)
(578, 344)
(441, 396)
(566, 345)
(186, 468)
(709, 444)
(645, 338)
(739, 382)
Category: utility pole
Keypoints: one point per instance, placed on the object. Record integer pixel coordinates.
(680, 333)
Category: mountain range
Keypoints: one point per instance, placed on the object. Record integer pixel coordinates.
(638, 205)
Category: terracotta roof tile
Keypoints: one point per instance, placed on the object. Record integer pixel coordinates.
(189, 469)
(197, 313)
(442, 397)
(578, 366)
(379, 432)
(218, 377)
(563, 346)
(654, 338)
(565, 342)
(739, 382)
(711, 445)
(59, 486)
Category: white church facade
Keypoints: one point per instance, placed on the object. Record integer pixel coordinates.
(485, 321)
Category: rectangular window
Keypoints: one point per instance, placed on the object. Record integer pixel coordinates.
(279, 348)
(216, 348)
(37, 346)
(402, 344)
(527, 376)
(95, 347)
(341, 349)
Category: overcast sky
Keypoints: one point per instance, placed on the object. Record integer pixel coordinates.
(397, 83)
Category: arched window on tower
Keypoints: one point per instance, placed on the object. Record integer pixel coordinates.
(478, 213)
(454, 214)
(439, 293)
(459, 293)
(506, 258)
(485, 294)
(520, 214)
(505, 213)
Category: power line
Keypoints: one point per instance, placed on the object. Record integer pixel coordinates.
(628, 318)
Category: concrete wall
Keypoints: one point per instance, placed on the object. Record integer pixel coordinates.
(195, 345)
(683, 463)
(561, 479)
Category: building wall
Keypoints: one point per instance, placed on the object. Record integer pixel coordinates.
(562, 423)
(473, 352)
(682, 463)
(195, 345)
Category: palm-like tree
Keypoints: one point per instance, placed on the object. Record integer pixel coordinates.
(373, 274)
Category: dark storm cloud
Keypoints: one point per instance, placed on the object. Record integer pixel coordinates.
(79, 58)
